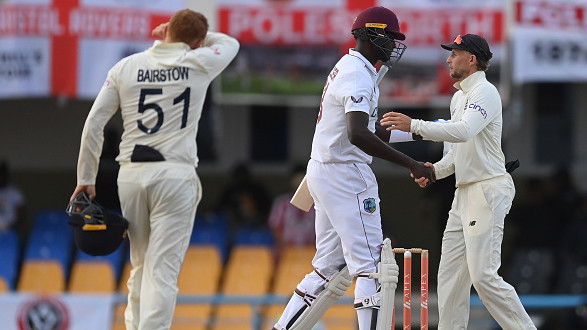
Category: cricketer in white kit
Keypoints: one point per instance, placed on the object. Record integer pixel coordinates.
(160, 93)
(340, 180)
(471, 244)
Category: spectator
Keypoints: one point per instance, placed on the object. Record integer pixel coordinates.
(12, 201)
(244, 201)
(291, 226)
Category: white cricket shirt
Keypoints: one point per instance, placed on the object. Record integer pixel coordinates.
(350, 87)
(474, 130)
(160, 93)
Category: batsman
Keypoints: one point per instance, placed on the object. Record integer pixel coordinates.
(349, 238)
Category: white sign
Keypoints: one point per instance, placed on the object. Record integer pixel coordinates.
(549, 41)
(62, 312)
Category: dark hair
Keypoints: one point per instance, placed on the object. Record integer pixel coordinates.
(187, 26)
(482, 64)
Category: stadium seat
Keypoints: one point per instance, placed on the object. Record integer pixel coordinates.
(10, 252)
(254, 236)
(248, 272)
(92, 277)
(205, 234)
(294, 264)
(200, 275)
(3, 285)
(50, 243)
(41, 276)
(53, 219)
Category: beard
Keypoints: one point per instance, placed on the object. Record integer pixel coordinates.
(458, 74)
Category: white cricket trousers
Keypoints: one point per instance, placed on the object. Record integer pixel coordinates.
(159, 200)
(471, 255)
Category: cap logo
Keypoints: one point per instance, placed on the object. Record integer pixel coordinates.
(89, 227)
(376, 25)
(458, 40)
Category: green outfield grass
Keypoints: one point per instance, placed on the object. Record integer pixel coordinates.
(274, 85)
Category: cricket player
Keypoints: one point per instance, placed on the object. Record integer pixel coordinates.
(160, 93)
(471, 245)
(340, 180)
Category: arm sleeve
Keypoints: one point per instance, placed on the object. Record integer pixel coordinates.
(216, 52)
(446, 166)
(104, 107)
(481, 108)
(354, 92)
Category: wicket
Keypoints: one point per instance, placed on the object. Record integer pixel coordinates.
(407, 315)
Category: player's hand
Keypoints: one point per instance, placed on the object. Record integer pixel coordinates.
(160, 30)
(396, 120)
(423, 174)
(90, 190)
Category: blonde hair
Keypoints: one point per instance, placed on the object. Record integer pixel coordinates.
(187, 26)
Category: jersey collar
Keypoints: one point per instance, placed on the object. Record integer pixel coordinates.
(471, 81)
(367, 63)
(160, 45)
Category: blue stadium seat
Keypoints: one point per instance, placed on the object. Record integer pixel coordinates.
(10, 252)
(208, 235)
(212, 220)
(254, 236)
(51, 219)
(50, 243)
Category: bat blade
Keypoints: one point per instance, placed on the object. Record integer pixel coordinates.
(382, 71)
(302, 198)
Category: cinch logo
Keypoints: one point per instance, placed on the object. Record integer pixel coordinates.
(478, 108)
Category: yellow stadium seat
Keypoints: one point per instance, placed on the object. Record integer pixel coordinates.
(191, 316)
(200, 275)
(41, 276)
(3, 285)
(294, 264)
(92, 277)
(201, 270)
(248, 272)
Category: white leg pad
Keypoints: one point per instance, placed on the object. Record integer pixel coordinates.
(388, 278)
(333, 290)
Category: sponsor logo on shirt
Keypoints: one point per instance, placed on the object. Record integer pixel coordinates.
(478, 108)
(357, 100)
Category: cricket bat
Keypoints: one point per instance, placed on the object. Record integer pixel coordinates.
(302, 198)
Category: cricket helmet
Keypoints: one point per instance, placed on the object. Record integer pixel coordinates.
(96, 231)
(381, 26)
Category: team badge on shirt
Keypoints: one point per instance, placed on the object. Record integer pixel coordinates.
(369, 205)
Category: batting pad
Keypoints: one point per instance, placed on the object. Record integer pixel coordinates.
(334, 289)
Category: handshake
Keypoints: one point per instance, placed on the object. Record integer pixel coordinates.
(423, 173)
